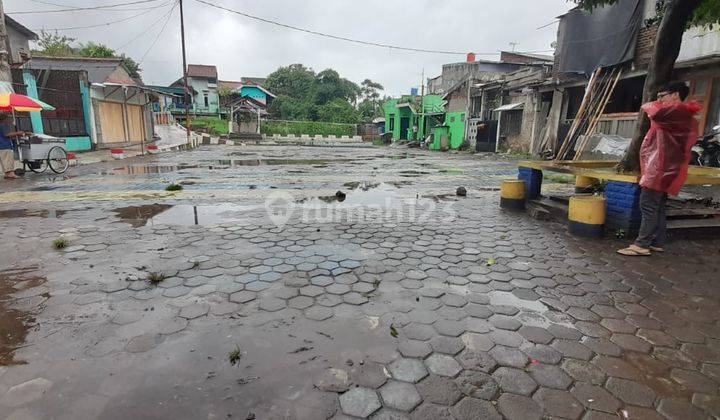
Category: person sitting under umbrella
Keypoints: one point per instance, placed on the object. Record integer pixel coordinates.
(7, 160)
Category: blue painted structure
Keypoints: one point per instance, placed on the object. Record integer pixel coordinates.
(72, 144)
(32, 92)
(623, 206)
(254, 92)
(533, 182)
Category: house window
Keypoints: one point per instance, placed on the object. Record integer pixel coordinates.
(205, 97)
(392, 123)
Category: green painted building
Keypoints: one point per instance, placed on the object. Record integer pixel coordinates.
(407, 119)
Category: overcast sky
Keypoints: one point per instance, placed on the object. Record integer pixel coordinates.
(239, 46)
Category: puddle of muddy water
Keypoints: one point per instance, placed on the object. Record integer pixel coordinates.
(14, 323)
(20, 213)
(182, 214)
(367, 194)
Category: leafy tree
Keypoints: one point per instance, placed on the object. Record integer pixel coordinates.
(295, 81)
(370, 90)
(94, 50)
(369, 107)
(304, 95)
(338, 111)
(55, 45)
(132, 67)
(675, 16)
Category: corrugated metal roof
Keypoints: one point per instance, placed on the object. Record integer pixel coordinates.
(510, 107)
(202, 70)
(98, 69)
(229, 84)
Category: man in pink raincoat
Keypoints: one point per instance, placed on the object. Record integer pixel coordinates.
(664, 159)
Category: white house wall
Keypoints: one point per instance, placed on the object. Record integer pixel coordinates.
(699, 42)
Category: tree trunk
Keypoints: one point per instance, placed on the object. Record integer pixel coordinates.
(662, 63)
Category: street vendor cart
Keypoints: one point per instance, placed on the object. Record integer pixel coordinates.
(39, 152)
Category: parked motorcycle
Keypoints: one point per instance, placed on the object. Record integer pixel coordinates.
(706, 151)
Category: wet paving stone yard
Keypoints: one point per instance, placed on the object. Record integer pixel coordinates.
(257, 292)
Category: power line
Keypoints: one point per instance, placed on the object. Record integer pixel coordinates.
(100, 24)
(75, 9)
(337, 37)
(158, 35)
(346, 39)
(146, 29)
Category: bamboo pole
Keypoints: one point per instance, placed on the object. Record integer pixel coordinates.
(593, 126)
(578, 116)
(591, 109)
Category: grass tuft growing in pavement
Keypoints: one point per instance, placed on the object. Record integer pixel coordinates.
(174, 187)
(235, 355)
(60, 243)
(156, 278)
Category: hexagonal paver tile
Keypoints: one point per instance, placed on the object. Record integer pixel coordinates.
(408, 370)
(596, 398)
(359, 402)
(515, 381)
(271, 304)
(517, 407)
(558, 403)
(193, 311)
(414, 348)
(449, 328)
(370, 375)
(243, 297)
(439, 390)
(472, 409)
(337, 289)
(477, 385)
(176, 291)
(447, 345)
(631, 392)
(318, 313)
(508, 356)
(550, 376)
(400, 395)
(430, 411)
(321, 281)
(300, 302)
(536, 334)
(333, 380)
(354, 298)
(442, 364)
(477, 342)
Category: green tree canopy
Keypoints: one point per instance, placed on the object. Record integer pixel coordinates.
(707, 14)
(303, 94)
(55, 45)
(338, 111)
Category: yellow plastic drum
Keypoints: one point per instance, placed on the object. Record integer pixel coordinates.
(512, 194)
(584, 184)
(586, 215)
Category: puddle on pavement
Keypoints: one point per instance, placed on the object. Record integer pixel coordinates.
(181, 214)
(20, 213)
(275, 162)
(413, 174)
(363, 194)
(507, 298)
(14, 323)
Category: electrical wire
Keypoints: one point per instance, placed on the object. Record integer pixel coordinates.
(75, 9)
(101, 24)
(146, 29)
(159, 33)
(337, 37)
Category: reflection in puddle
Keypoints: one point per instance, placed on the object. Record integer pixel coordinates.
(364, 194)
(413, 173)
(18, 213)
(14, 323)
(182, 214)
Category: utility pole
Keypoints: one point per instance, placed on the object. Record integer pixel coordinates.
(513, 45)
(186, 98)
(421, 128)
(5, 76)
